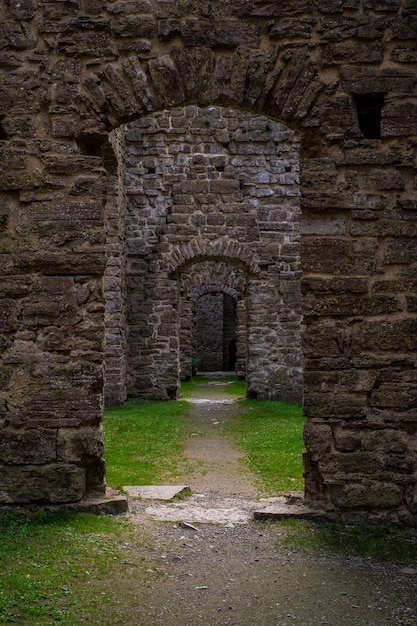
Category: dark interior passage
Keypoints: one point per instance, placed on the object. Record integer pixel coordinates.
(215, 332)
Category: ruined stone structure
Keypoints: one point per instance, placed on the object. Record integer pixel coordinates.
(340, 76)
(212, 201)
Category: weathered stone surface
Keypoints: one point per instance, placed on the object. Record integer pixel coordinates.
(36, 446)
(70, 74)
(359, 80)
(233, 201)
(367, 495)
(50, 483)
(347, 52)
(343, 256)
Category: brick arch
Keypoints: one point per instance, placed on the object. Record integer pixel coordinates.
(283, 86)
(202, 290)
(213, 276)
(224, 250)
(70, 78)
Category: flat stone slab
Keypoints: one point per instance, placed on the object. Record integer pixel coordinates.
(211, 400)
(153, 492)
(199, 514)
(109, 503)
(281, 510)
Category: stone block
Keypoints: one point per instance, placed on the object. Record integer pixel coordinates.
(384, 335)
(336, 305)
(269, 8)
(399, 119)
(345, 380)
(382, 227)
(323, 225)
(137, 26)
(334, 285)
(400, 250)
(52, 483)
(317, 438)
(369, 80)
(8, 314)
(330, 405)
(63, 407)
(404, 54)
(395, 396)
(341, 53)
(61, 263)
(347, 440)
(52, 302)
(354, 464)
(80, 445)
(301, 28)
(411, 304)
(85, 43)
(342, 256)
(167, 80)
(32, 446)
(386, 441)
(383, 5)
(366, 494)
(333, 29)
(411, 498)
(321, 340)
(405, 27)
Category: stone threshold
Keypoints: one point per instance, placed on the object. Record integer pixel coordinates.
(155, 492)
(291, 504)
(110, 503)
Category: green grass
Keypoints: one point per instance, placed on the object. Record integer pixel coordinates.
(271, 435)
(54, 567)
(383, 542)
(143, 442)
(189, 387)
(73, 570)
(234, 387)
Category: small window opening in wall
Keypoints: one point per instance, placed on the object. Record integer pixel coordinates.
(252, 395)
(3, 134)
(91, 145)
(369, 111)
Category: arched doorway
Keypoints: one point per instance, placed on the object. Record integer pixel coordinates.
(71, 77)
(212, 198)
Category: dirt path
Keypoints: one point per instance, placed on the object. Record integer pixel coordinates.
(220, 568)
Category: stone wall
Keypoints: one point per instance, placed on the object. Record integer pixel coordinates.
(114, 283)
(198, 280)
(213, 179)
(343, 76)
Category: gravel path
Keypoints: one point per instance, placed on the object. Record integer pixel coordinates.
(215, 567)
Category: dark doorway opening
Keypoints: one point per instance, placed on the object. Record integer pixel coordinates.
(215, 332)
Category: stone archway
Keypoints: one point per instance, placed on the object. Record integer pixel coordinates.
(71, 74)
(214, 185)
(196, 281)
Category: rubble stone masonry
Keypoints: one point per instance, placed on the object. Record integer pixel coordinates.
(212, 185)
(81, 247)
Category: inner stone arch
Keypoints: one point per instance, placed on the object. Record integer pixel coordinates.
(205, 184)
(212, 277)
